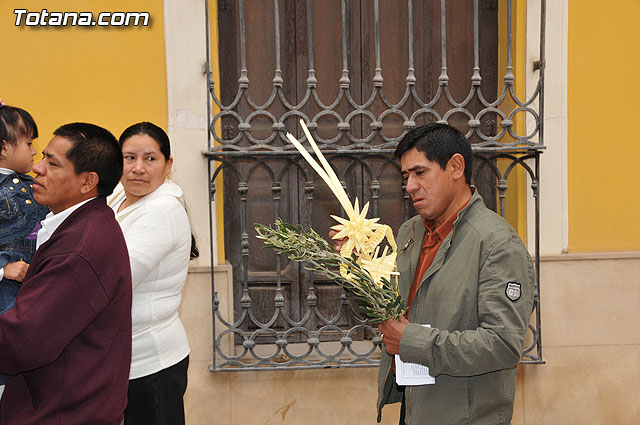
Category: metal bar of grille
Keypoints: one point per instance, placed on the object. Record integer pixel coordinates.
(211, 191)
(443, 35)
(377, 79)
(277, 79)
(475, 78)
(311, 81)
(244, 79)
(411, 71)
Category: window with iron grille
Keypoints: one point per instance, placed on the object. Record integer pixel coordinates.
(361, 73)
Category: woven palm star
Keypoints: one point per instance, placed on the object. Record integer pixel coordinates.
(381, 267)
(357, 228)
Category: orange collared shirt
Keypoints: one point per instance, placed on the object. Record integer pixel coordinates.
(430, 244)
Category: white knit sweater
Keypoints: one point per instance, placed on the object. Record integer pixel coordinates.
(158, 237)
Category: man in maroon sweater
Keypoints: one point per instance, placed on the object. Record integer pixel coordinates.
(67, 342)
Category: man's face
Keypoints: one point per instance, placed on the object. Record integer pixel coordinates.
(431, 188)
(56, 184)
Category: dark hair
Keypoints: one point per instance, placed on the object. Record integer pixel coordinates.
(438, 142)
(16, 124)
(94, 149)
(161, 138)
(151, 130)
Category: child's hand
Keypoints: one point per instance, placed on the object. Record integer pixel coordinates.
(16, 271)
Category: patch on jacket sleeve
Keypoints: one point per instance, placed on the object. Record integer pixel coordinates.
(513, 291)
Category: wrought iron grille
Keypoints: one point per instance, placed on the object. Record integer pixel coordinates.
(284, 317)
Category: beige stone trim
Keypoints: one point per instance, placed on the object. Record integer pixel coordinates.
(218, 268)
(554, 208)
(621, 255)
(185, 38)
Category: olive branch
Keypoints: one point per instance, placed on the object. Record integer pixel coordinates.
(378, 302)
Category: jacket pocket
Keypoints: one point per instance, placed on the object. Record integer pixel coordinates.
(8, 203)
(445, 403)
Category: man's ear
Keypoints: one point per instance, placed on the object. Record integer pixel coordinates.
(90, 182)
(457, 165)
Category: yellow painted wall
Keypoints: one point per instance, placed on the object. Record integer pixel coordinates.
(110, 76)
(515, 200)
(215, 70)
(603, 144)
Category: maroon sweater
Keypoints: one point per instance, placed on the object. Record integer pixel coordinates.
(67, 341)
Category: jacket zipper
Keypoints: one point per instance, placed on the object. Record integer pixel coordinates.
(408, 388)
(408, 416)
(383, 402)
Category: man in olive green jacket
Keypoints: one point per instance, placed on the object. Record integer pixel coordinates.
(476, 295)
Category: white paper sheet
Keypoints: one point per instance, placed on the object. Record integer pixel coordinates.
(412, 373)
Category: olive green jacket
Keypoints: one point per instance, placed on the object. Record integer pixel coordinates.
(477, 296)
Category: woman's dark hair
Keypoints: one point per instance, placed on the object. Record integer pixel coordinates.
(151, 130)
(161, 138)
(16, 124)
(195, 252)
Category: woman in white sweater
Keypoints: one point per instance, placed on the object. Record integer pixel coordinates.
(150, 210)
